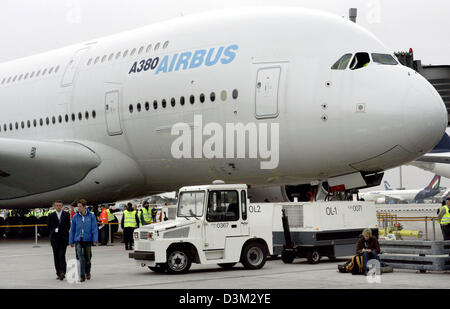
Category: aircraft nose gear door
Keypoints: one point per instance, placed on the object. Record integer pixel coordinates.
(267, 92)
(112, 100)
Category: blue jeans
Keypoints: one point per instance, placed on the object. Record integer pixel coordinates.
(84, 255)
(369, 256)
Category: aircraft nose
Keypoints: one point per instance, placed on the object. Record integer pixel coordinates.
(425, 115)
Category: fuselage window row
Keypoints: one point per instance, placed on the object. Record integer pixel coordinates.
(98, 59)
(202, 98)
(87, 115)
(26, 76)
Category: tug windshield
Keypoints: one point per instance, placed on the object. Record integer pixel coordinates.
(191, 204)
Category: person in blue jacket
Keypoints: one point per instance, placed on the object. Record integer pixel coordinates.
(83, 234)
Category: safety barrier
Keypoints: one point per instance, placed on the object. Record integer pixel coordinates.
(417, 255)
(45, 225)
(388, 222)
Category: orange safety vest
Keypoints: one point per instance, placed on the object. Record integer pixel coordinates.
(104, 216)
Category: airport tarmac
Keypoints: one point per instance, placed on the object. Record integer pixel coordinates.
(25, 267)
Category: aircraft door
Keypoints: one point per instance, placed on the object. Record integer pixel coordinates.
(112, 112)
(267, 92)
(71, 69)
(222, 218)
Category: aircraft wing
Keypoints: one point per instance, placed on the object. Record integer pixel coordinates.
(443, 157)
(30, 167)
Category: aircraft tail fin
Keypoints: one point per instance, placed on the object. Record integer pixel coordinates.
(387, 186)
(443, 145)
(435, 182)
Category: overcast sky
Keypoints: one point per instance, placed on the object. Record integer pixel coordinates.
(32, 26)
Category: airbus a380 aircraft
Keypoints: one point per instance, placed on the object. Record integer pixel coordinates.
(94, 120)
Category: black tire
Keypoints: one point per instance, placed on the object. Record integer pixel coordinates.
(287, 256)
(254, 255)
(179, 261)
(313, 256)
(227, 265)
(159, 268)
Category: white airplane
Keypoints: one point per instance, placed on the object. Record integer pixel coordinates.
(436, 161)
(404, 195)
(94, 120)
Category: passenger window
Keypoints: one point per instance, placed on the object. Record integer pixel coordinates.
(342, 63)
(359, 61)
(164, 103)
(384, 59)
(181, 101)
(235, 94)
(172, 102)
(147, 106)
(202, 98)
(222, 206)
(212, 97)
(139, 107)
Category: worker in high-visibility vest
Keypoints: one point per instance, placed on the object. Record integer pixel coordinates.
(104, 227)
(130, 221)
(112, 219)
(444, 219)
(146, 213)
(38, 213)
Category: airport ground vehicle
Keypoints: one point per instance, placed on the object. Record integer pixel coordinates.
(215, 224)
(313, 230)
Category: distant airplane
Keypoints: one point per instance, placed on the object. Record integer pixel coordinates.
(437, 160)
(404, 195)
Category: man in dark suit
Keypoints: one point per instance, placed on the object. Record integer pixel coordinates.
(59, 225)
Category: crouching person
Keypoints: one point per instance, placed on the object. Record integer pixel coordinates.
(83, 234)
(368, 247)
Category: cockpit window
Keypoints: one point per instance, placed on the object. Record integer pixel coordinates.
(384, 59)
(342, 63)
(360, 60)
